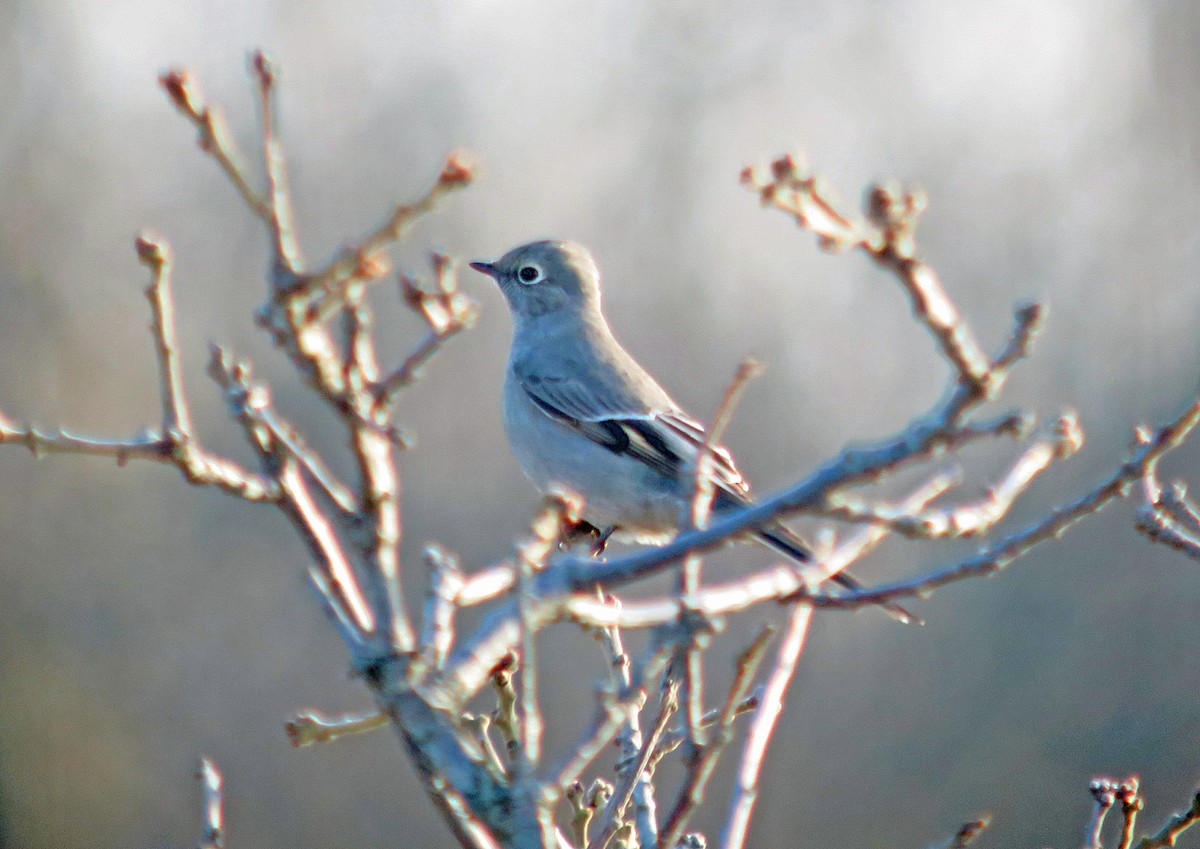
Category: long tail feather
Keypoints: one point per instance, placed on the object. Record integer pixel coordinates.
(789, 544)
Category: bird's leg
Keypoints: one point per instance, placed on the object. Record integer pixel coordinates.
(573, 532)
(601, 542)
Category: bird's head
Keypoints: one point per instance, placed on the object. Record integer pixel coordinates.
(546, 279)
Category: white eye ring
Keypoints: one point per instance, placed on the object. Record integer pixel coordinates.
(530, 274)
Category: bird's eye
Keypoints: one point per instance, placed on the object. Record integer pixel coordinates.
(529, 274)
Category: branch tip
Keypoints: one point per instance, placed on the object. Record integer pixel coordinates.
(212, 834)
(152, 250)
(458, 170)
(181, 88)
(263, 69)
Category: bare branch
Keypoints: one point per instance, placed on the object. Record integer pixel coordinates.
(505, 715)
(996, 556)
(472, 833)
(1175, 825)
(480, 725)
(155, 255)
(487, 584)
(614, 709)
(775, 583)
(610, 713)
(313, 464)
(285, 249)
(1131, 804)
(673, 738)
(889, 239)
(703, 488)
(446, 310)
(585, 805)
(437, 629)
(214, 138)
(328, 284)
(702, 764)
(331, 574)
(1029, 319)
(745, 791)
(305, 729)
(556, 509)
(1168, 516)
(968, 519)
(927, 436)
(176, 444)
(633, 771)
(379, 492)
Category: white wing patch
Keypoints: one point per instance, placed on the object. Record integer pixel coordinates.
(665, 441)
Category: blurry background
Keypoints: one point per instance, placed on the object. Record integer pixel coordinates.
(143, 622)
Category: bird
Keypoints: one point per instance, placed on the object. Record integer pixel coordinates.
(582, 414)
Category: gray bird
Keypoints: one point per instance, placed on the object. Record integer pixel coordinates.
(581, 413)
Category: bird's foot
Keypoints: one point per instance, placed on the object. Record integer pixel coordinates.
(576, 532)
(601, 542)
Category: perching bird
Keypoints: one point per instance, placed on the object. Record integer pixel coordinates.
(581, 413)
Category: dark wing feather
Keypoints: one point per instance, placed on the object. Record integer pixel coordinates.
(665, 441)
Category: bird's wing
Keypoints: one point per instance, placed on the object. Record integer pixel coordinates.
(664, 440)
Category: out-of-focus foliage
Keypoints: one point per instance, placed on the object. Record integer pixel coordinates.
(142, 622)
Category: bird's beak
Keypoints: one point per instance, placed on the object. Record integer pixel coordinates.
(484, 268)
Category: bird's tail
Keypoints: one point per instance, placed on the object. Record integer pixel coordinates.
(789, 544)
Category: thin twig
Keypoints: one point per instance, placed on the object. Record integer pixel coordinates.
(1104, 794)
(1168, 517)
(379, 481)
(1175, 825)
(774, 583)
(214, 136)
(156, 255)
(966, 833)
(379, 493)
(745, 791)
(545, 531)
(613, 710)
(471, 832)
(585, 805)
(972, 519)
(212, 835)
(505, 714)
(285, 250)
(305, 729)
(996, 556)
(703, 489)
(175, 443)
(446, 310)
(673, 738)
(702, 764)
(480, 725)
(629, 737)
(437, 629)
(1131, 805)
(331, 572)
(313, 464)
(888, 237)
(486, 584)
(629, 774)
(328, 283)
